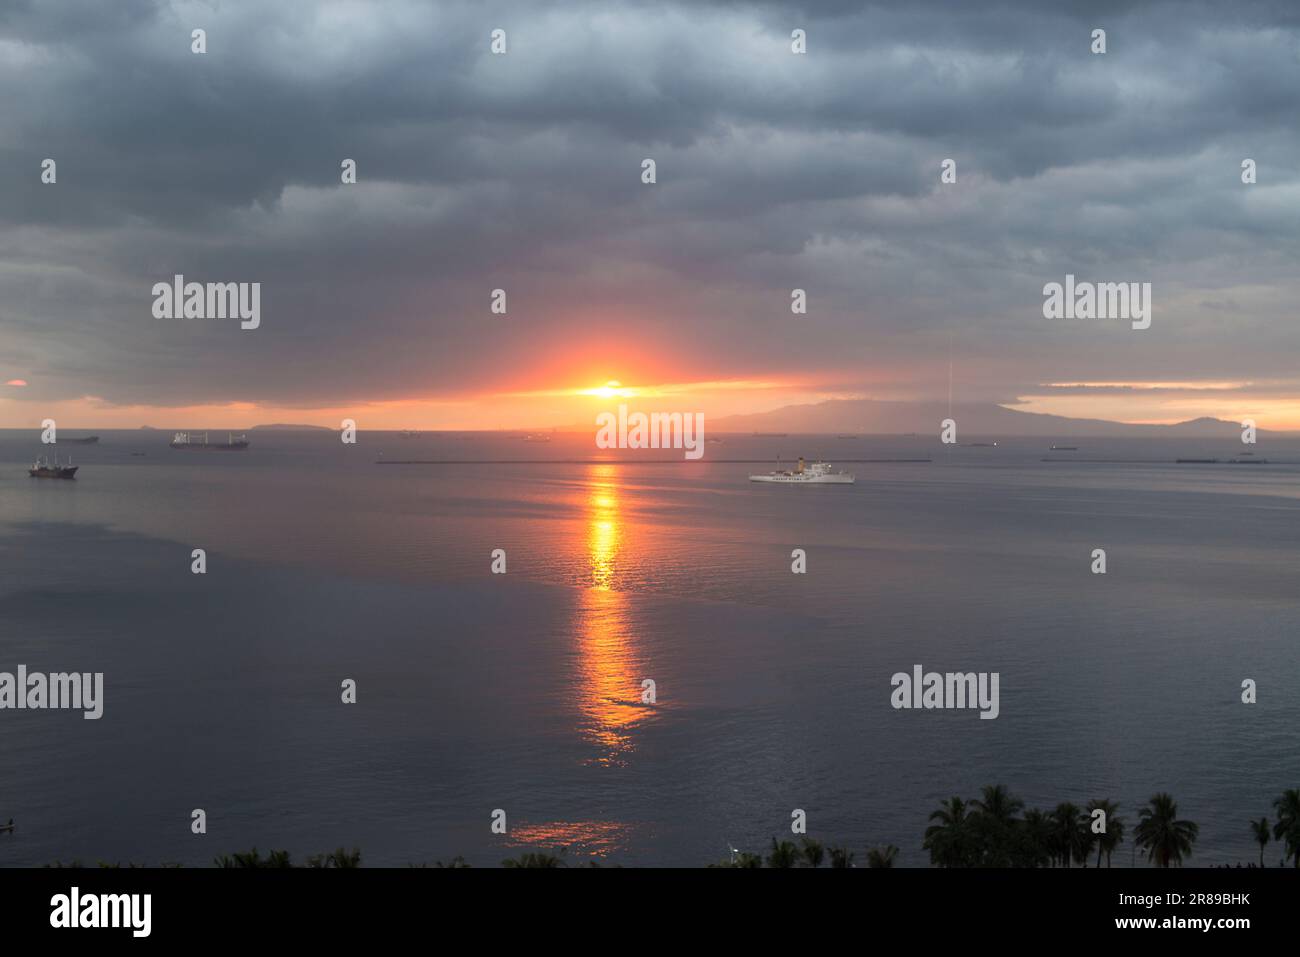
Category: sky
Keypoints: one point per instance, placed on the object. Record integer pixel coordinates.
(523, 172)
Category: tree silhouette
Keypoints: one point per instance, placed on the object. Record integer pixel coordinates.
(1165, 838)
(1288, 823)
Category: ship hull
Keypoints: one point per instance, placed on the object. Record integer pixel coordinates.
(804, 480)
(211, 448)
(67, 473)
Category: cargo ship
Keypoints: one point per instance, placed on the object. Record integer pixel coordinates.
(42, 468)
(87, 440)
(183, 440)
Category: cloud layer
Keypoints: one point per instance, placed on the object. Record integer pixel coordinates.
(522, 172)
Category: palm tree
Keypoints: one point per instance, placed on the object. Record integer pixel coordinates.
(1288, 822)
(882, 856)
(534, 859)
(741, 860)
(784, 854)
(338, 859)
(997, 803)
(253, 859)
(1259, 830)
(813, 852)
(949, 840)
(841, 857)
(1034, 844)
(995, 820)
(1110, 838)
(1166, 839)
(1070, 835)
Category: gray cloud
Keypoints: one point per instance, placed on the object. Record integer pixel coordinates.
(522, 171)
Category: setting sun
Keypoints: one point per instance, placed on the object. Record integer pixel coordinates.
(610, 390)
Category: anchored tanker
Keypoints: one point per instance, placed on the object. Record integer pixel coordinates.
(182, 440)
(814, 473)
(42, 468)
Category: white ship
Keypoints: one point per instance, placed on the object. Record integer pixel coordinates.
(818, 473)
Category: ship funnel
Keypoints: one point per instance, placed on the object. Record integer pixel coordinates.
(801, 463)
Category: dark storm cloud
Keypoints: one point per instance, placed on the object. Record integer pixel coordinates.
(522, 172)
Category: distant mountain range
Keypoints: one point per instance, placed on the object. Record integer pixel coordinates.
(273, 427)
(878, 417)
(874, 417)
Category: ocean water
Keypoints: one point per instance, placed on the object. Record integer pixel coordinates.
(522, 691)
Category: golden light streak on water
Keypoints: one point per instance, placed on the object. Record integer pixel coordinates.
(609, 678)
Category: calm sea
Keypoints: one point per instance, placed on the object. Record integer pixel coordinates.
(522, 691)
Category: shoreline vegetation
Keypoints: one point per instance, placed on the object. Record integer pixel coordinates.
(994, 830)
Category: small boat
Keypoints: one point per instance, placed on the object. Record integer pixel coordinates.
(1196, 461)
(1247, 461)
(1064, 448)
(540, 437)
(42, 468)
(7, 828)
(813, 473)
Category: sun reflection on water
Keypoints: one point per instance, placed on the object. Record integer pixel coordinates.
(578, 839)
(609, 680)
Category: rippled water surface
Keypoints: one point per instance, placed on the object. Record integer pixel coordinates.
(524, 691)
